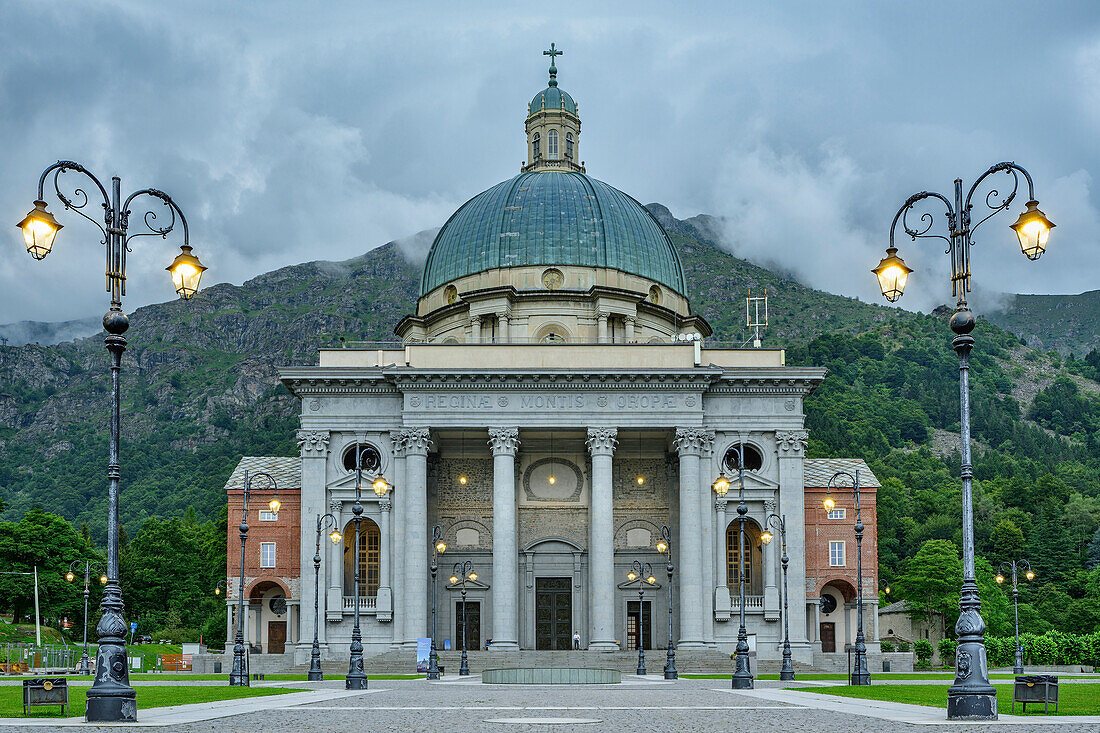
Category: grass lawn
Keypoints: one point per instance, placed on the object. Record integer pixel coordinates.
(11, 698)
(1081, 699)
(819, 676)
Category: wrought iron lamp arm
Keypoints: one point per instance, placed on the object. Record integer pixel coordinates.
(173, 209)
(322, 524)
(926, 217)
(252, 477)
(1006, 167)
(80, 194)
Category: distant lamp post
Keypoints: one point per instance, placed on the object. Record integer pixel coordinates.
(222, 586)
(356, 679)
(664, 546)
(238, 677)
(327, 519)
(643, 573)
(742, 675)
(89, 566)
(111, 699)
(884, 587)
(786, 671)
(438, 548)
(861, 675)
(971, 696)
(460, 574)
(1013, 566)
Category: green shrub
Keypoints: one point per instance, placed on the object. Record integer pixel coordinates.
(947, 650)
(887, 647)
(903, 646)
(923, 648)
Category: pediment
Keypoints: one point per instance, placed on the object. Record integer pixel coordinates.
(753, 481)
(348, 482)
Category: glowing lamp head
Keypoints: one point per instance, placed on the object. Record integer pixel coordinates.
(640, 480)
(1033, 230)
(651, 580)
(103, 579)
(471, 576)
(217, 591)
(186, 273)
(462, 480)
(335, 537)
(440, 547)
(892, 275)
(631, 575)
(887, 589)
(551, 480)
(39, 229)
(829, 503)
(1030, 575)
(721, 486)
(454, 579)
(766, 537)
(274, 505)
(1000, 578)
(662, 547)
(380, 486)
(69, 576)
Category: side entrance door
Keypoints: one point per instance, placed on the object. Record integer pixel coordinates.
(473, 624)
(554, 613)
(638, 620)
(828, 636)
(276, 637)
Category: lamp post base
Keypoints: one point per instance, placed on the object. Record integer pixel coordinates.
(464, 667)
(120, 709)
(971, 705)
(1017, 670)
(670, 664)
(640, 671)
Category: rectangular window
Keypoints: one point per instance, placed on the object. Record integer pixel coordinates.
(836, 554)
(267, 554)
(838, 513)
(266, 516)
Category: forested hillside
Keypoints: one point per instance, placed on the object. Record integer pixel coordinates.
(200, 390)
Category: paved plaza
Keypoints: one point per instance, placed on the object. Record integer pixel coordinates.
(637, 704)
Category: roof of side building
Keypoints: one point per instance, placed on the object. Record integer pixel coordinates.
(287, 472)
(818, 471)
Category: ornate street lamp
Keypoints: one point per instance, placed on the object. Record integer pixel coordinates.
(89, 565)
(643, 573)
(238, 677)
(315, 674)
(1013, 565)
(971, 696)
(438, 548)
(664, 546)
(462, 572)
(786, 671)
(110, 698)
(742, 675)
(356, 679)
(861, 675)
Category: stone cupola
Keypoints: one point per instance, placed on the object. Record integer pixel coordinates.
(553, 127)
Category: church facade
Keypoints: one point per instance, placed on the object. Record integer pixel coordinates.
(552, 405)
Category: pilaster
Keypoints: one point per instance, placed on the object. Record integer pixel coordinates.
(313, 446)
(791, 445)
(398, 552)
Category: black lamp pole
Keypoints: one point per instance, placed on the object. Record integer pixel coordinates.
(315, 674)
(356, 679)
(670, 655)
(860, 675)
(1013, 565)
(742, 675)
(971, 696)
(786, 671)
(462, 572)
(238, 676)
(88, 565)
(437, 548)
(111, 699)
(643, 573)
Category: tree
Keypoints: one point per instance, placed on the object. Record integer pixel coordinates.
(932, 579)
(1093, 550)
(1007, 539)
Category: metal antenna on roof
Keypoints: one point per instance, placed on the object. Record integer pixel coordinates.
(753, 320)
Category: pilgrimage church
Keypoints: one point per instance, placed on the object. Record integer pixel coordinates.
(553, 403)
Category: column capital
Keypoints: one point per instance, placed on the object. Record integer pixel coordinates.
(313, 443)
(693, 441)
(416, 441)
(397, 440)
(504, 441)
(630, 319)
(336, 506)
(504, 313)
(792, 443)
(720, 504)
(602, 441)
(770, 505)
(384, 504)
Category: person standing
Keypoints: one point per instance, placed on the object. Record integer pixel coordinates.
(576, 640)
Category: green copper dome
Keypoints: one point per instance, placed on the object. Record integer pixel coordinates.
(552, 218)
(552, 98)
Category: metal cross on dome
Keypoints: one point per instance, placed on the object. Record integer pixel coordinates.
(553, 53)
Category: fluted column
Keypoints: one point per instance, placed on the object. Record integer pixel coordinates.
(502, 336)
(335, 567)
(475, 329)
(417, 442)
(690, 444)
(601, 542)
(629, 321)
(601, 327)
(768, 563)
(313, 446)
(397, 535)
(706, 536)
(504, 443)
(792, 452)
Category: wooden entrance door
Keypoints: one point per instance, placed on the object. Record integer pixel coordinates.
(473, 624)
(553, 613)
(639, 620)
(828, 636)
(276, 637)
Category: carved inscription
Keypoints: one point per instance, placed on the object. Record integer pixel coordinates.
(551, 401)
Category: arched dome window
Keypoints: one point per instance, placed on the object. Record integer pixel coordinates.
(553, 334)
(569, 145)
(536, 147)
(552, 144)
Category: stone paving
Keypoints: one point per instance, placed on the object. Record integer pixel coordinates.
(637, 704)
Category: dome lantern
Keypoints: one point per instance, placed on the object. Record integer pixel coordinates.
(553, 126)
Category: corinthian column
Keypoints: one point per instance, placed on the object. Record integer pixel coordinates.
(313, 445)
(601, 542)
(792, 454)
(690, 443)
(397, 535)
(417, 442)
(504, 442)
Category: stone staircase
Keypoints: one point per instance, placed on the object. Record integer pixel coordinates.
(688, 661)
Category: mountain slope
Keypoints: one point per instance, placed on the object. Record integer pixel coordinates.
(1062, 323)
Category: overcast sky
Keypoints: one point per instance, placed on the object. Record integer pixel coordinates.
(291, 132)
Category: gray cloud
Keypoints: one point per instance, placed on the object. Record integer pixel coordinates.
(292, 132)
